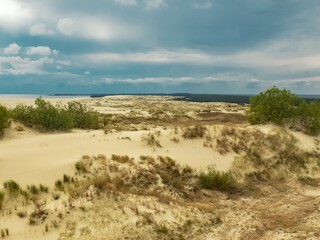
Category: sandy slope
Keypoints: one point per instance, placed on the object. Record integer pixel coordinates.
(32, 158)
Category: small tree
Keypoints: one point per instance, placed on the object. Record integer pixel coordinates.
(283, 107)
(273, 105)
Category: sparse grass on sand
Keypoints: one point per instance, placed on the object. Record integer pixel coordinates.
(151, 140)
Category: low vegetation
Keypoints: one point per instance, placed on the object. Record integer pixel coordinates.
(4, 119)
(151, 140)
(1, 199)
(121, 159)
(12, 187)
(48, 117)
(198, 131)
(83, 117)
(282, 107)
(222, 181)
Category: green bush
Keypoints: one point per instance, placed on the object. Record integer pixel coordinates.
(47, 117)
(223, 181)
(308, 117)
(4, 116)
(273, 105)
(44, 116)
(283, 107)
(83, 116)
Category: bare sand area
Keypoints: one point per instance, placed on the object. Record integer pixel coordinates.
(138, 176)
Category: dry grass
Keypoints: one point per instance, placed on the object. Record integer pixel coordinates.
(121, 159)
(151, 140)
(175, 139)
(198, 131)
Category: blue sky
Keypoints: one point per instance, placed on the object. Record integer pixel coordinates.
(158, 46)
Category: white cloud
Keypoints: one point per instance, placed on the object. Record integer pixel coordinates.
(65, 63)
(40, 50)
(13, 48)
(58, 67)
(55, 52)
(308, 80)
(21, 66)
(87, 72)
(127, 2)
(159, 56)
(204, 5)
(14, 14)
(263, 58)
(40, 29)
(95, 28)
(66, 26)
(151, 4)
(164, 80)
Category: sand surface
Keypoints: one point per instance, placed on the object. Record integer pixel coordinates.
(33, 158)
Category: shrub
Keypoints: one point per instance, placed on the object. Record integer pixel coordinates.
(47, 117)
(4, 122)
(273, 105)
(223, 181)
(282, 107)
(83, 116)
(309, 117)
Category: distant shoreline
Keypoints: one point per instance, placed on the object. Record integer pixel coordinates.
(228, 98)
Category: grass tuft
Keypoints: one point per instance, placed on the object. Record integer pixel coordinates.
(198, 131)
(12, 187)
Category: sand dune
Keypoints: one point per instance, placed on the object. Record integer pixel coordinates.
(34, 158)
(159, 200)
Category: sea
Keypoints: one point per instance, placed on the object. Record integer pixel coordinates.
(35, 96)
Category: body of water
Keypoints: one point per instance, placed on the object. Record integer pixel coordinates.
(35, 96)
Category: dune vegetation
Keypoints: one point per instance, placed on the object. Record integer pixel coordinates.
(155, 168)
(48, 117)
(4, 119)
(282, 107)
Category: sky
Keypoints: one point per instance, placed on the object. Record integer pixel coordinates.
(159, 46)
